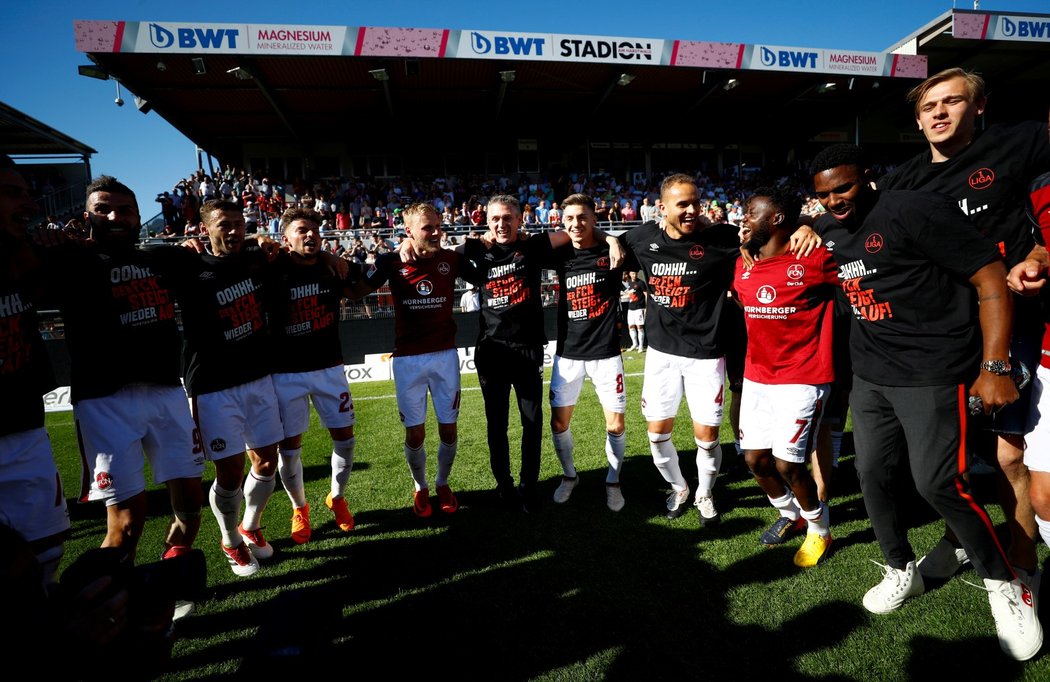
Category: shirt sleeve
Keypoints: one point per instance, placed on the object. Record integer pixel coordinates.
(378, 275)
(948, 237)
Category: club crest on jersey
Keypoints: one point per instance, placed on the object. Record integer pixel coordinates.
(602, 262)
(696, 252)
(424, 287)
(795, 271)
(982, 178)
(766, 294)
(103, 481)
(874, 243)
(218, 445)
(444, 268)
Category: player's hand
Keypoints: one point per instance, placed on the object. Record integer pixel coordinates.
(746, 258)
(270, 247)
(804, 241)
(49, 238)
(1027, 278)
(995, 392)
(193, 244)
(407, 251)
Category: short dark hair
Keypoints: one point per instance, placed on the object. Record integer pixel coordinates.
(785, 199)
(839, 155)
(578, 200)
(217, 206)
(108, 183)
(293, 214)
(675, 179)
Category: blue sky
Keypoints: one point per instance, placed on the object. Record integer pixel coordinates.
(41, 78)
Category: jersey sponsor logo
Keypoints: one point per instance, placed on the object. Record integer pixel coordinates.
(982, 178)
(696, 252)
(796, 271)
(766, 294)
(424, 287)
(103, 481)
(218, 445)
(874, 243)
(602, 262)
(444, 268)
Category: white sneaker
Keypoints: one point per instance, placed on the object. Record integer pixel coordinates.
(942, 562)
(183, 609)
(614, 496)
(564, 491)
(709, 516)
(677, 503)
(896, 587)
(1016, 621)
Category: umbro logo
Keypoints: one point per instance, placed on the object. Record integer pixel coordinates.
(207, 274)
(489, 256)
(654, 247)
(829, 245)
(103, 257)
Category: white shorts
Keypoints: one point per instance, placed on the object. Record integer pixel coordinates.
(606, 375)
(667, 375)
(31, 498)
(116, 430)
(1037, 443)
(783, 418)
(234, 417)
(636, 318)
(328, 390)
(414, 374)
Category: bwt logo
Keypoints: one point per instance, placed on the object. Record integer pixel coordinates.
(1026, 29)
(793, 58)
(506, 45)
(162, 38)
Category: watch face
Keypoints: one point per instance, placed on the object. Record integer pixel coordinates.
(1000, 367)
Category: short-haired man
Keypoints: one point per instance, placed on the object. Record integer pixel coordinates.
(308, 365)
(688, 268)
(227, 362)
(124, 345)
(588, 346)
(425, 358)
(787, 304)
(31, 498)
(987, 172)
(910, 265)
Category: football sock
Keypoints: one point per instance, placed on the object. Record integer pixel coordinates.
(290, 467)
(342, 464)
(818, 520)
(226, 505)
(708, 462)
(563, 447)
(417, 464)
(665, 457)
(615, 447)
(257, 492)
(446, 456)
(786, 505)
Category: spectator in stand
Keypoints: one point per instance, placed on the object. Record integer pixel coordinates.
(648, 212)
(477, 216)
(601, 213)
(542, 213)
(207, 190)
(446, 215)
(554, 217)
(615, 216)
(343, 220)
(629, 214)
(528, 217)
(358, 252)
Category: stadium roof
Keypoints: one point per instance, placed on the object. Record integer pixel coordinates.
(23, 135)
(237, 88)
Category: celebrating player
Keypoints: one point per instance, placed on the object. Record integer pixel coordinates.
(787, 305)
(588, 345)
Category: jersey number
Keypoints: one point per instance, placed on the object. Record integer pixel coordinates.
(720, 398)
(619, 383)
(198, 446)
(345, 404)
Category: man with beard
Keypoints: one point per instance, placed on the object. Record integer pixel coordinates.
(425, 358)
(910, 266)
(308, 365)
(31, 498)
(128, 401)
(787, 304)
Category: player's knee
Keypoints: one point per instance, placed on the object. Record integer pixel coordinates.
(792, 473)
(1039, 494)
(656, 446)
(759, 462)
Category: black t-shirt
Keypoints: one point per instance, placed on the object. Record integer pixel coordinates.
(223, 318)
(119, 313)
(511, 307)
(989, 180)
(303, 304)
(905, 271)
(589, 303)
(636, 295)
(25, 370)
(687, 280)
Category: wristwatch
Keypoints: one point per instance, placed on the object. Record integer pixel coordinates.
(997, 367)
